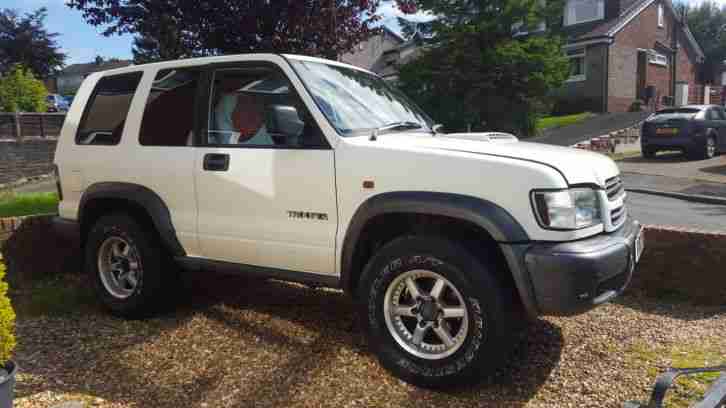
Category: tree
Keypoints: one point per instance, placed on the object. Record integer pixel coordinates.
(24, 40)
(476, 74)
(170, 29)
(707, 22)
(20, 91)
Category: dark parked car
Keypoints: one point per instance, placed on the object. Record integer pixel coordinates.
(57, 103)
(697, 130)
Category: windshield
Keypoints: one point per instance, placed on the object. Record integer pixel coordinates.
(355, 101)
(670, 114)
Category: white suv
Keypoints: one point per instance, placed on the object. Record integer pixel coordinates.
(318, 172)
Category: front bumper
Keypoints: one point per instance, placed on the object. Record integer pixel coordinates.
(680, 142)
(573, 277)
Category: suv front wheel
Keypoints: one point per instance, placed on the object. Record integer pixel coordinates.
(435, 314)
(128, 265)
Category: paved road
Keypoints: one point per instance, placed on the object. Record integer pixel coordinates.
(673, 166)
(592, 127)
(650, 209)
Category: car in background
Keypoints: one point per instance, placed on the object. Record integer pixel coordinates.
(699, 131)
(57, 103)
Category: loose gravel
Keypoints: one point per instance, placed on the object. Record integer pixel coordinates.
(244, 343)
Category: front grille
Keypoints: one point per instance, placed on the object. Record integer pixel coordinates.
(617, 215)
(614, 188)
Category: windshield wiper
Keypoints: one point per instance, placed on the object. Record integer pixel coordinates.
(395, 126)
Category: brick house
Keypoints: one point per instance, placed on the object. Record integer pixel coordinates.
(623, 50)
(384, 52)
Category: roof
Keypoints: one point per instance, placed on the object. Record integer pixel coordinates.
(219, 59)
(608, 28)
(88, 68)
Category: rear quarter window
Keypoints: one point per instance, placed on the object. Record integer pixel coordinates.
(105, 113)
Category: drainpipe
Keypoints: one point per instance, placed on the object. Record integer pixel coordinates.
(677, 26)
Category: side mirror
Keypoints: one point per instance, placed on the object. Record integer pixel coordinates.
(438, 128)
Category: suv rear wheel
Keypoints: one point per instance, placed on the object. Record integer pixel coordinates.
(435, 314)
(128, 265)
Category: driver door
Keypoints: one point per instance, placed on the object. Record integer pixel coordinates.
(265, 178)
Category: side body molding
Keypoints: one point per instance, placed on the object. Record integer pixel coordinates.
(491, 217)
(141, 197)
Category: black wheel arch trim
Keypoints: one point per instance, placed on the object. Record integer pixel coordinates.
(494, 219)
(142, 197)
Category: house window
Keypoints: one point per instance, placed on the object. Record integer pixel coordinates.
(660, 15)
(656, 58)
(577, 64)
(581, 11)
(520, 28)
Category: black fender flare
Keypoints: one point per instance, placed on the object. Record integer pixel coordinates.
(494, 219)
(142, 197)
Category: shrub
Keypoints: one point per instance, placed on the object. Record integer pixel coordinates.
(636, 106)
(7, 321)
(20, 91)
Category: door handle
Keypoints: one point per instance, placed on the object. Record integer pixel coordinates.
(216, 162)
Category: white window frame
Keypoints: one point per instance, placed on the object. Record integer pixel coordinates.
(518, 28)
(660, 16)
(570, 18)
(656, 58)
(572, 54)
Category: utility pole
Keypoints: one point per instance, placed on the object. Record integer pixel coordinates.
(679, 23)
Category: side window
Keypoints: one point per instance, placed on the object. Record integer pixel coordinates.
(258, 107)
(105, 114)
(169, 115)
(711, 114)
(720, 115)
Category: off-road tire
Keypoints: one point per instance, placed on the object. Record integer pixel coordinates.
(490, 311)
(159, 275)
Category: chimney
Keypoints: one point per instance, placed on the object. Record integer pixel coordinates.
(612, 9)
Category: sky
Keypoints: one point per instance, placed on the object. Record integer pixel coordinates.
(82, 42)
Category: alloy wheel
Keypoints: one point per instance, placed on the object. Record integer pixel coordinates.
(119, 267)
(426, 314)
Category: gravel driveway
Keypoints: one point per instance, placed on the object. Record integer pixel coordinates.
(271, 344)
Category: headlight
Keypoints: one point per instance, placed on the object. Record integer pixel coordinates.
(567, 209)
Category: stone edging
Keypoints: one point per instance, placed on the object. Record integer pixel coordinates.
(25, 180)
(10, 224)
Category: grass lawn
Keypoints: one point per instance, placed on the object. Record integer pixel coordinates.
(12, 205)
(551, 122)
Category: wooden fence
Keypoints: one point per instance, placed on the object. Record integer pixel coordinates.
(21, 125)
